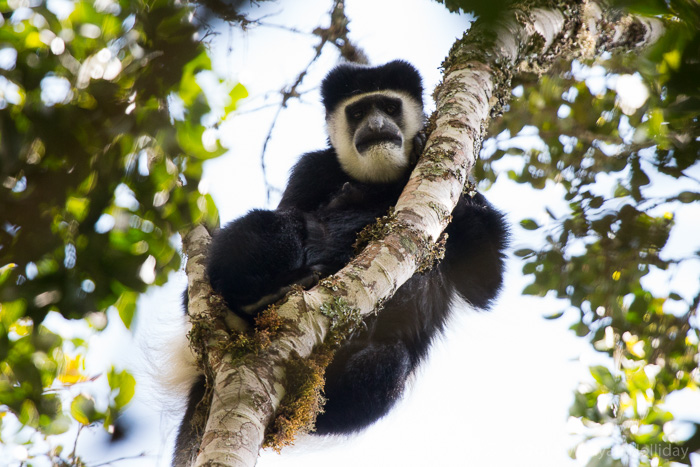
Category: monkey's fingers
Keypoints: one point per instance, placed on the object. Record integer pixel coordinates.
(305, 282)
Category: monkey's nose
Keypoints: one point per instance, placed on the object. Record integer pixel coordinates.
(376, 123)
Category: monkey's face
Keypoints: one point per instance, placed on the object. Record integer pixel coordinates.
(373, 134)
(374, 121)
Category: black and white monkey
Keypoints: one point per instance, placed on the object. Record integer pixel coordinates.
(374, 116)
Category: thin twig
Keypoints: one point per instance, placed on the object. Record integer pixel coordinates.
(137, 456)
(291, 92)
(337, 34)
(268, 186)
(283, 27)
(75, 444)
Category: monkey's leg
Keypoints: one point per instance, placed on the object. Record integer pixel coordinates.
(363, 382)
(191, 428)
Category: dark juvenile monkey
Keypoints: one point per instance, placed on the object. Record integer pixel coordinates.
(374, 116)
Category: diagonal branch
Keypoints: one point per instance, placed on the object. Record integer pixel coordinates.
(476, 85)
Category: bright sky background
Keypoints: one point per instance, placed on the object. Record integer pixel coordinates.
(497, 388)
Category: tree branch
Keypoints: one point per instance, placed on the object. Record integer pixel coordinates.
(477, 74)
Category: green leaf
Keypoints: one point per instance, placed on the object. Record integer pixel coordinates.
(83, 409)
(529, 224)
(530, 268)
(189, 89)
(555, 315)
(237, 93)
(533, 289)
(580, 329)
(524, 252)
(29, 415)
(688, 197)
(10, 312)
(603, 376)
(126, 305)
(189, 137)
(639, 381)
(59, 425)
(596, 202)
(78, 207)
(124, 384)
(204, 211)
(621, 191)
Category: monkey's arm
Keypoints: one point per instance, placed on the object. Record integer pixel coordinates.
(254, 259)
(474, 260)
(314, 180)
(257, 255)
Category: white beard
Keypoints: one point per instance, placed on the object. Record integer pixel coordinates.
(382, 162)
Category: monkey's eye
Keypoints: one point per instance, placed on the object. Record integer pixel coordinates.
(356, 114)
(391, 109)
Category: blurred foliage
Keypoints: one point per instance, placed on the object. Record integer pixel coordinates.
(101, 152)
(593, 130)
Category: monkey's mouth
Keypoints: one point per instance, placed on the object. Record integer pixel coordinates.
(365, 142)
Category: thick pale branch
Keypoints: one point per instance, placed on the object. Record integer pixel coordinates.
(477, 78)
(627, 32)
(195, 244)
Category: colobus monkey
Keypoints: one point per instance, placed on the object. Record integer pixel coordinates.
(374, 116)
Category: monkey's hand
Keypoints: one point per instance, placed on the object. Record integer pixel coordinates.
(305, 283)
(418, 145)
(351, 194)
(256, 256)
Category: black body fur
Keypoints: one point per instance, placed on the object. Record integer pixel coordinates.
(312, 231)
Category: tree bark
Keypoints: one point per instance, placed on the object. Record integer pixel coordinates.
(477, 75)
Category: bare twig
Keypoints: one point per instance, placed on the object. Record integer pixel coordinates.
(75, 444)
(282, 27)
(119, 459)
(336, 34)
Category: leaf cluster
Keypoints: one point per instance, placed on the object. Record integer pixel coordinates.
(577, 130)
(101, 151)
